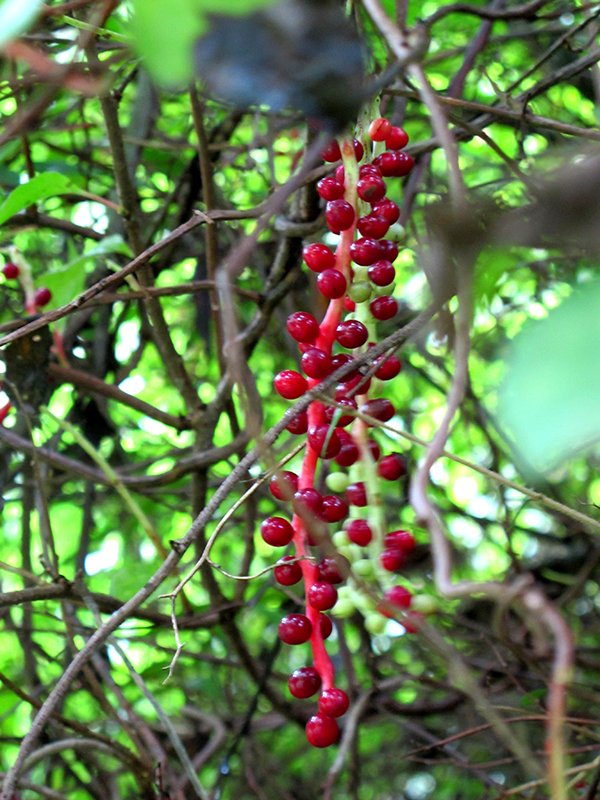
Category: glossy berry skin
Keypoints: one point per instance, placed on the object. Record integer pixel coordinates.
(394, 163)
(326, 625)
(396, 138)
(10, 271)
(302, 327)
(331, 283)
(387, 209)
(322, 731)
(351, 333)
(287, 574)
(340, 360)
(42, 297)
(333, 508)
(359, 532)
(331, 152)
(379, 408)
(359, 150)
(371, 188)
(324, 441)
(379, 129)
(304, 682)
(373, 226)
(283, 485)
(389, 250)
(349, 304)
(385, 307)
(365, 251)
(322, 595)
(295, 629)
(392, 560)
(356, 494)
(316, 363)
(348, 453)
(333, 702)
(389, 368)
(318, 257)
(277, 531)
(329, 188)
(299, 424)
(333, 412)
(382, 273)
(333, 570)
(339, 215)
(290, 384)
(397, 596)
(308, 501)
(391, 467)
(400, 540)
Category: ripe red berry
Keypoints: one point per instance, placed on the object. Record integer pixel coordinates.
(10, 271)
(382, 273)
(349, 304)
(339, 215)
(387, 209)
(385, 307)
(400, 540)
(304, 682)
(389, 368)
(318, 257)
(322, 595)
(379, 129)
(316, 363)
(397, 596)
(277, 531)
(333, 570)
(351, 333)
(373, 226)
(326, 625)
(357, 494)
(324, 440)
(322, 731)
(374, 449)
(331, 152)
(302, 326)
(371, 188)
(42, 297)
(333, 702)
(333, 412)
(394, 163)
(329, 188)
(331, 283)
(295, 629)
(341, 359)
(349, 451)
(365, 251)
(392, 467)
(299, 424)
(287, 574)
(333, 508)
(359, 150)
(396, 138)
(290, 384)
(283, 485)
(308, 501)
(379, 408)
(359, 532)
(392, 560)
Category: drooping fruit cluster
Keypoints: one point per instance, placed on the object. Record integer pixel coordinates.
(358, 280)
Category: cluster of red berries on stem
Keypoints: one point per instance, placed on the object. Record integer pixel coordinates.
(34, 300)
(358, 280)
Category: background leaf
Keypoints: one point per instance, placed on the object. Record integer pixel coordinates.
(49, 184)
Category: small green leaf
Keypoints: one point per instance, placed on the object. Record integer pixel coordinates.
(49, 184)
(15, 17)
(550, 398)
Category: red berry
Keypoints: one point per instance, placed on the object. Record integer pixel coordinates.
(389, 369)
(277, 531)
(290, 384)
(333, 569)
(329, 188)
(315, 362)
(308, 501)
(382, 273)
(331, 152)
(340, 360)
(42, 297)
(322, 731)
(373, 225)
(392, 560)
(365, 251)
(394, 163)
(357, 494)
(287, 574)
(324, 440)
(379, 408)
(331, 283)
(349, 452)
(299, 424)
(387, 209)
(302, 326)
(400, 540)
(283, 485)
(295, 629)
(10, 271)
(371, 188)
(379, 129)
(356, 385)
(397, 596)
(391, 467)
(359, 532)
(389, 250)
(351, 333)
(349, 304)
(396, 138)
(318, 257)
(359, 150)
(322, 596)
(326, 625)
(385, 307)
(304, 682)
(339, 215)
(333, 702)
(333, 508)
(340, 174)
(344, 419)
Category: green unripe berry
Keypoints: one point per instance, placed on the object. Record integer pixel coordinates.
(360, 274)
(360, 291)
(337, 482)
(363, 568)
(344, 607)
(340, 540)
(375, 623)
(396, 233)
(424, 603)
(379, 291)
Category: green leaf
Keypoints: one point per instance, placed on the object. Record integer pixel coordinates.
(549, 400)
(49, 184)
(15, 17)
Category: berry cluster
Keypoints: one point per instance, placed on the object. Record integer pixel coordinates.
(40, 297)
(358, 280)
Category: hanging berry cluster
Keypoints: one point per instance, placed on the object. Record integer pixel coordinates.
(358, 281)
